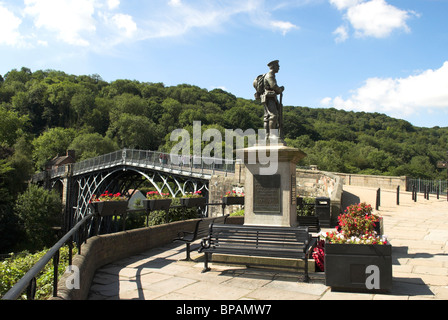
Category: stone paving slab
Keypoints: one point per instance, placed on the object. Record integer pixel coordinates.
(418, 233)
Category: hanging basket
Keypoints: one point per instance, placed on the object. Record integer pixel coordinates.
(110, 208)
(193, 202)
(233, 200)
(157, 204)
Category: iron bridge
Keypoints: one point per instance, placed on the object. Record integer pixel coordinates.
(126, 170)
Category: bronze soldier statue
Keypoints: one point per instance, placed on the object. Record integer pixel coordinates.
(267, 91)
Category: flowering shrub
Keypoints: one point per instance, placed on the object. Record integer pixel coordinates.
(342, 238)
(234, 194)
(152, 195)
(196, 194)
(357, 219)
(106, 196)
(319, 255)
(356, 226)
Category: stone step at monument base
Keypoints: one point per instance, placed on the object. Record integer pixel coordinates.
(280, 264)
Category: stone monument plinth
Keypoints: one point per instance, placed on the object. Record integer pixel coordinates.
(270, 185)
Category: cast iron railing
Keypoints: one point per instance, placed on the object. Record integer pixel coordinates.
(28, 281)
(186, 165)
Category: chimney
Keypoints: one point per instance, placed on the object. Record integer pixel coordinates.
(71, 153)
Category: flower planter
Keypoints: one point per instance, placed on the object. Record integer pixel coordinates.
(193, 202)
(346, 267)
(110, 208)
(157, 204)
(233, 200)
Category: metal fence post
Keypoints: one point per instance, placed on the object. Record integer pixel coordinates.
(378, 198)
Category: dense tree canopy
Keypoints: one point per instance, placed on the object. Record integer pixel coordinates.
(47, 112)
(55, 111)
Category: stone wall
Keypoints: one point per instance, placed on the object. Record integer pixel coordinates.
(218, 187)
(383, 182)
(315, 183)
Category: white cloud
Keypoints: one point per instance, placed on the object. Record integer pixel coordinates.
(401, 96)
(100, 24)
(344, 4)
(69, 19)
(126, 23)
(373, 18)
(113, 4)
(180, 17)
(175, 3)
(341, 34)
(283, 26)
(9, 25)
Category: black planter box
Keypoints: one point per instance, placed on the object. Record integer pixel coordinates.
(110, 208)
(233, 200)
(157, 204)
(193, 202)
(346, 266)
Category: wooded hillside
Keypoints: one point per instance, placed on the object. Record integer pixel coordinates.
(44, 113)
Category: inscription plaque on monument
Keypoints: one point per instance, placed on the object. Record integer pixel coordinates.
(267, 194)
(293, 189)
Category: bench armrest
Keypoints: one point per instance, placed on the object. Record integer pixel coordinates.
(312, 244)
(205, 244)
(182, 234)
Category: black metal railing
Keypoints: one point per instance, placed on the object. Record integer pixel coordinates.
(428, 186)
(145, 158)
(28, 281)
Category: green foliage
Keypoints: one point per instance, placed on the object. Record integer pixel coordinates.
(238, 213)
(174, 214)
(11, 125)
(39, 210)
(132, 114)
(91, 145)
(308, 208)
(16, 266)
(53, 142)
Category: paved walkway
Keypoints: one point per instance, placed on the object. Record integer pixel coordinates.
(418, 233)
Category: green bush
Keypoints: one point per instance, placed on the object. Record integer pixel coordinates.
(39, 210)
(15, 267)
(174, 214)
(239, 213)
(308, 207)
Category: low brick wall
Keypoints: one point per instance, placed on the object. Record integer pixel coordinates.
(101, 250)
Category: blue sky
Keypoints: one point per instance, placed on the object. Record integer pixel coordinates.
(387, 56)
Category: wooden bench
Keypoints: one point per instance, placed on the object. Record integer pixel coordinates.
(201, 231)
(258, 241)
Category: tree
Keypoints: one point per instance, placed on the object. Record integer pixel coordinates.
(11, 125)
(51, 143)
(90, 145)
(39, 210)
(132, 131)
(81, 103)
